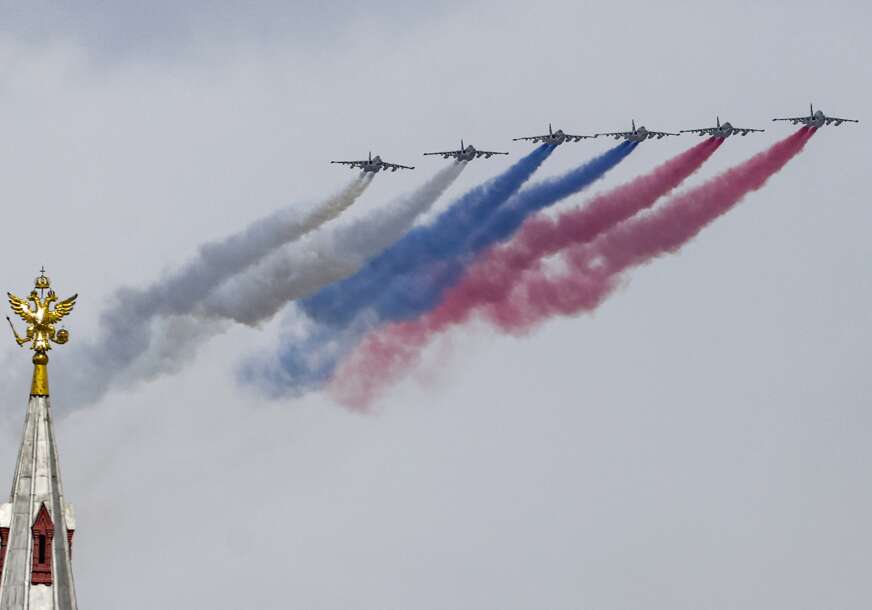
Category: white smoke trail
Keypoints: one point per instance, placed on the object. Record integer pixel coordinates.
(325, 257)
(148, 320)
(246, 278)
(219, 260)
(295, 271)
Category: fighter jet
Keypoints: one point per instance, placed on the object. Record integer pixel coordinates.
(373, 165)
(637, 134)
(722, 131)
(466, 153)
(554, 138)
(816, 118)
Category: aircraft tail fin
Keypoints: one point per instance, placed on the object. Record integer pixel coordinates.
(810, 109)
(719, 121)
(633, 123)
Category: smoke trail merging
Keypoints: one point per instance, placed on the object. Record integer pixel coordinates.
(493, 275)
(339, 315)
(593, 272)
(327, 256)
(300, 268)
(127, 325)
(413, 294)
(217, 261)
(307, 360)
(339, 303)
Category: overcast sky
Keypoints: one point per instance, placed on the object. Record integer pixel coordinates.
(700, 442)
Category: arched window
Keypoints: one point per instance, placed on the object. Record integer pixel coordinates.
(43, 535)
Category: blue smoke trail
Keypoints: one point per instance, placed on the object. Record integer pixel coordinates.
(413, 294)
(302, 364)
(339, 303)
(308, 362)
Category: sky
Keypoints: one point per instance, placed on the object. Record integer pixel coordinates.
(701, 441)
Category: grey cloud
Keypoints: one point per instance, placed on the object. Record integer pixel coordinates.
(128, 28)
(701, 442)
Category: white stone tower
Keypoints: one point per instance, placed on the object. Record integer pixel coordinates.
(37, 525)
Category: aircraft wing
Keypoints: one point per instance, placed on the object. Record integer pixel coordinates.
(660, 134)
(703, 131)
(488, 153)
(545, 138)
(838, 121)
(445, 153)
(794, 119)
(743, 131)
(395, 166)
(617, 134)
(531, 139)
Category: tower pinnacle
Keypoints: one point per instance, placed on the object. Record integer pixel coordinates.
(37, 525)
(41, 320)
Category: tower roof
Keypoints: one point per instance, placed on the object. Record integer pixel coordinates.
(37, 484)
(36, 525)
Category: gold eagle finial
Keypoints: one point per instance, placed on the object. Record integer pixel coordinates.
(41, 318)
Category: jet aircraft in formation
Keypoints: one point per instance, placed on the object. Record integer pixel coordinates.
(466, 153)
(637, 134)
(722, 131)
(816, 118)
(373, 164)
(554, 138)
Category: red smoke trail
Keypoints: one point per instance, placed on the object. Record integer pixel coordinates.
(592, 269)
(493, 276)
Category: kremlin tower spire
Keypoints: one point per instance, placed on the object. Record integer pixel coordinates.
(37, 525)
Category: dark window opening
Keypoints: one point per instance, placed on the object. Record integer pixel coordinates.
(4, 543)
(41, 554)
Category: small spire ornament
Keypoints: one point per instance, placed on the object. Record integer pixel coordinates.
(41, 318)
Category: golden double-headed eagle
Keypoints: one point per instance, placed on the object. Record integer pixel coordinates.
(41, 317)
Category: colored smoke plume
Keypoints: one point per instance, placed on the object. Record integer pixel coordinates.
(298, 269)
(413, 294)
(327, 256)
(135, 319)
(592, 273)
(339, 303)
(410, 285)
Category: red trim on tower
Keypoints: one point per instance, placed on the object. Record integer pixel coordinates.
(70, 534)
(4, 542)
(43, 535)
